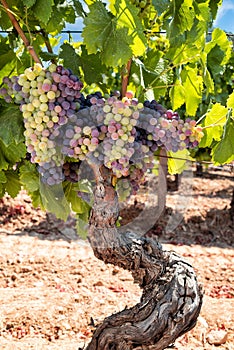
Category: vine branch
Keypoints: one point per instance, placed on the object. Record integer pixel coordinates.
(125, 78)
(16, 25)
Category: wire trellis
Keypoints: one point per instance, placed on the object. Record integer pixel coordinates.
(231, 35)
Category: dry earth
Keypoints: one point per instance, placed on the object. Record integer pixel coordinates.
(53, 291)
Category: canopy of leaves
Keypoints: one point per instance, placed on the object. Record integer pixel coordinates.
(173, 60)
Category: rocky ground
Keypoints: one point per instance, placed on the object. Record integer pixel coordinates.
(53, 291)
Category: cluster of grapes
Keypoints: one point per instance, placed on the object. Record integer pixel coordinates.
(143, 5)
(117, 120)
(47, 98)
(62, 124)
(170, 131)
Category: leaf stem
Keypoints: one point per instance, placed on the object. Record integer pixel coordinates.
(16, 25)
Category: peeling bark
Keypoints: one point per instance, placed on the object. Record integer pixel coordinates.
(171, 298)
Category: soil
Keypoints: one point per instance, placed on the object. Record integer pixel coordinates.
(53, 291)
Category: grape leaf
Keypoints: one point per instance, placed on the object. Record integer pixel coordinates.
(127, 16)
(5, 21)
(3, 178)
(102, 34)
(7, 54)
(43, 10)
(77, 204)
(82, 224)
(28, 3)
(218, 51)
(11, 154)
(230, 101)
(3, 162)
(223, 152)
(29, 177)
(207, 139)
(161, 6)
(216, 115)
(177, 95)
(182, 18)
(57, 21)
(11, 125)
(214, 5)
(214, 121)
(70, 58)
(176, 165)
(12, 185)
(53, 200)
(79, 8)
(192, 83)
(48, 56)
(92, 66)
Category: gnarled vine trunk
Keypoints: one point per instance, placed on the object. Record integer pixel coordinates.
(171, 298)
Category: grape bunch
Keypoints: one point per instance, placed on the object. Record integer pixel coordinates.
(63, 127)
(143, 5)
(118, 119)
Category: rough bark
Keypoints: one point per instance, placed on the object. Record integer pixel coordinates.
(171, 298)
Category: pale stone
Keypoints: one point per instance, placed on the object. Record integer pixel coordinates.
(217, 337)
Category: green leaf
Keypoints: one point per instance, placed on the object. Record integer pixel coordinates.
(43, 10)
(214, 5)
(223, 152)
(11, 125)
(7, 54)
(216, 115)
(79, 8)
(28, 3)
(161, 6)
(3, 178)
(187, 46)
(54, 201)
(101, 33)
(48, 56)
(176, 165)
(77, 203)
(213, 123)
(29, 177)
(11, 155)
(152, 74)
(82, 224)
(5, 21)
(13, 185)
(70, 58)
(127, 17)
(218, 51)
(183, 17)
(207, 139)
(208, 81)
(230, 101)
(57, 21)
(92, 67)
(3, 162)
(177, 95)
(192, 83)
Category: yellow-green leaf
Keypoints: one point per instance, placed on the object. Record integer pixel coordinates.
(177, 95)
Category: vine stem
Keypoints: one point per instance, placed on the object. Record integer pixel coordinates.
(171, 295)
(125, 78)
(16, 25)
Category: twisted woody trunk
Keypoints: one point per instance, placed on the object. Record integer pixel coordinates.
(171, 298)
